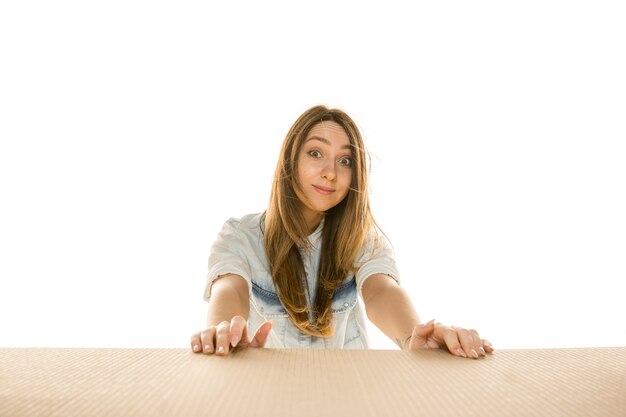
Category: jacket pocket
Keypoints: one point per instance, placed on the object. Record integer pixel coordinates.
(345, 296)
(267, 302)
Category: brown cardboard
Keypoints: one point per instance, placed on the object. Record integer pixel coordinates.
(278, 382)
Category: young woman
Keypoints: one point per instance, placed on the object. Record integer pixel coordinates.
(298, 272)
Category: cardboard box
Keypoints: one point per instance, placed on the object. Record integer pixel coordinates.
(291, 383)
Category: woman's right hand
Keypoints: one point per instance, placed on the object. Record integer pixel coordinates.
(228, 335)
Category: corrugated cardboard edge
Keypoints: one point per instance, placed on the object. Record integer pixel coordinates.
(276, 382)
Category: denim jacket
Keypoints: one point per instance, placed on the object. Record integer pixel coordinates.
(239, 249)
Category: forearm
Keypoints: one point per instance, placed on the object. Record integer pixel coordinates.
(389, 307)
(229, 298)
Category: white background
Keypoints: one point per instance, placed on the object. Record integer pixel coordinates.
(131, 130)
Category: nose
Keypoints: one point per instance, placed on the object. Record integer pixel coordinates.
(329, 171)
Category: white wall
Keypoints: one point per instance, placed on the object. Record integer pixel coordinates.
(132, 129)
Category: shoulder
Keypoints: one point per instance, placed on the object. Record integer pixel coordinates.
(376, 240)
(241, 239)
(247, 227)
(376, 245)
(251, 220)
(250, 223)
(376, 257)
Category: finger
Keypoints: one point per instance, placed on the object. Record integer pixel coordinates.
(477, 342)
(487, 346)
(420, 335)
(467, 342)
(196, 342)
(207, 338)
(451, 341)
(260, 337)
(238, 327)
(417, 339)
(222, 339)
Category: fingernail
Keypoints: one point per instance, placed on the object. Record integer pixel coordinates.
(482, 351)
(207, 348)
(234, 340)
(196, 348)
(461, 352)
(220, 349)
(474, 354)
(428, 323)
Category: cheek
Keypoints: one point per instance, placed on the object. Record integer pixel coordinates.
(299, 174)
(344, 183)
(346, 178)
(304, 173)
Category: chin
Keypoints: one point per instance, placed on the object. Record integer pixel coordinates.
(324, 208)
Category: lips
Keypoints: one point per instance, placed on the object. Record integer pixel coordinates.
(323, 190)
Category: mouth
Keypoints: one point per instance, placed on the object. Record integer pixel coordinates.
(323, 190)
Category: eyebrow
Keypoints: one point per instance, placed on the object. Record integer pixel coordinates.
(327, 142)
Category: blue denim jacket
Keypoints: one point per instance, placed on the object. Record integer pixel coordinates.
(239, 249)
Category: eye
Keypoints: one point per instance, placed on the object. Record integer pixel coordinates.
(315, 153)
(346, 161)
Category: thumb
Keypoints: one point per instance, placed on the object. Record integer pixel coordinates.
(421, 334)
(260, 337)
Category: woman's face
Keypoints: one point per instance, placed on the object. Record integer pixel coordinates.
(324, 170)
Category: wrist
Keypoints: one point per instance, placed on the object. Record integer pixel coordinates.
(403, 343)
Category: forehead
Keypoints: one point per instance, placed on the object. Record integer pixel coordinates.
(331, 131)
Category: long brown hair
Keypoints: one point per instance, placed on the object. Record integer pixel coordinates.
(285, 230)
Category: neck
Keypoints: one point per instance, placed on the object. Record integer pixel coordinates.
(313, 220)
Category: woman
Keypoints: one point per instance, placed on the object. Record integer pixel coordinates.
(298, 271)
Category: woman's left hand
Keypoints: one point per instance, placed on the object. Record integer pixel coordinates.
(457, 340)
